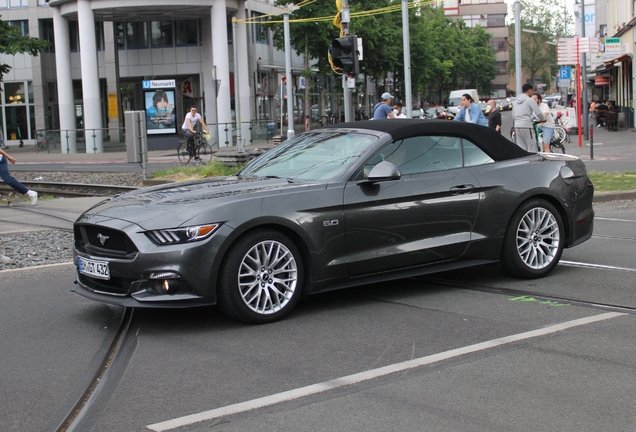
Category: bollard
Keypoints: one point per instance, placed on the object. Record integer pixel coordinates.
(592, 141)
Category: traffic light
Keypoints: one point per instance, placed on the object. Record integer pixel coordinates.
(344, 54)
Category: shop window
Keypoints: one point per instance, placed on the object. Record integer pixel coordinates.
(188, 32)
(161, 34)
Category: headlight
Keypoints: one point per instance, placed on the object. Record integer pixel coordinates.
(181, 235)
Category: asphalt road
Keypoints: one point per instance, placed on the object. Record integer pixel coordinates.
(303, 373)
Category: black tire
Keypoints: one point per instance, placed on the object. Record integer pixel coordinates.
(534, 240)
(182, 152)
(204, 153)
(555, 147)
(253, 287)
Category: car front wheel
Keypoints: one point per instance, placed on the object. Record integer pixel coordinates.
(261, 279)
(533, 243)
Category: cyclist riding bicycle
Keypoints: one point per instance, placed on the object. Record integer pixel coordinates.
(191, 120)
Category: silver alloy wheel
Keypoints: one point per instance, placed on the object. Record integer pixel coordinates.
(268, 276)
(538, 238)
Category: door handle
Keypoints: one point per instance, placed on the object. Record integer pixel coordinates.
(466, 188)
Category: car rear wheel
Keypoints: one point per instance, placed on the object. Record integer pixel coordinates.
(534, 239)
(261, 279)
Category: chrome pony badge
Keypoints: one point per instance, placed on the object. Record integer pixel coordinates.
(102, 238)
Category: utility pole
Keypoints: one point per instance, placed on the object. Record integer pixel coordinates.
(584, 112)
(290, 96)
(240, 148)
(518, 70)
(407, 58)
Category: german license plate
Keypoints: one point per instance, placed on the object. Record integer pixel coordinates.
(97, 269)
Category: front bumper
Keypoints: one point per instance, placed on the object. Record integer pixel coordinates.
(135, 278)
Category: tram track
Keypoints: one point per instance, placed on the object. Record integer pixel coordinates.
(71, 190)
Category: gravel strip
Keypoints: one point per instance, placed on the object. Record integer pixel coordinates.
(106, 178)
(35, 248)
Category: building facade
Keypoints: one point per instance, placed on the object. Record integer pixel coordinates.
(107, 57)
(490, 14)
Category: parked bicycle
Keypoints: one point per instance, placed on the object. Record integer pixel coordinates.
(199, 150)
(556, 143)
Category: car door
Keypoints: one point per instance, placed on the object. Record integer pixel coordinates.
(424, 217)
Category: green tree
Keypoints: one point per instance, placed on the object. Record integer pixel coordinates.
(12, 42)
(538, 52)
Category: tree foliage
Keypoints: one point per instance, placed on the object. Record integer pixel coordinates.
(445, 53)
(538, 54)
(12, 42)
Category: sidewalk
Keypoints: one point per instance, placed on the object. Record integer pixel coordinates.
(29, 155)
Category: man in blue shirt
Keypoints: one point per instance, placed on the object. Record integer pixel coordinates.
(383, 110)
(470, 112)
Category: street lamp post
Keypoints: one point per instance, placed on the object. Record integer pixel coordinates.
(518, 71)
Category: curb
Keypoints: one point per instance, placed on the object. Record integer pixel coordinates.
(602, 197)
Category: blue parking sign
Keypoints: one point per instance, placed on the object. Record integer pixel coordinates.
(565, 73)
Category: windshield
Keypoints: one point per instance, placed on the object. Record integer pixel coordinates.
(454, 101)
(311, 156)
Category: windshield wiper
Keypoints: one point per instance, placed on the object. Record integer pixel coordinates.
(277, 177)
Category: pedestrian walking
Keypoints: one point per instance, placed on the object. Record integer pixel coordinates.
(9, 180)
(382, 110)
(470, 111)
(522, 110)
(494, 116)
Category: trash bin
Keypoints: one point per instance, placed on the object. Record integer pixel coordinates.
(271, 130)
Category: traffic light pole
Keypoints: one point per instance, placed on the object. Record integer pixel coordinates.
(347, 92)
(288, 75)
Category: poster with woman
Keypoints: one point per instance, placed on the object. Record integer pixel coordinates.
(160, 113)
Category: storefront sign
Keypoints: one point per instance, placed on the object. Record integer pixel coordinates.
(156, 84)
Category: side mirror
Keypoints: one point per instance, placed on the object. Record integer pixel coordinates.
(383, 171)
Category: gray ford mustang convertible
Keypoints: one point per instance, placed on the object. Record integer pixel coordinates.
(345, 205)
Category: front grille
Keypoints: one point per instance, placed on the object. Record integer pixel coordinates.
(114, 286)
(116, 244)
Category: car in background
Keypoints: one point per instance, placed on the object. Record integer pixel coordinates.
(433, 112)
(504, 104)
(417, 113)
(344, 205)
(484, 107)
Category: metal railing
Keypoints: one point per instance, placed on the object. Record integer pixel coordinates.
(67, 140)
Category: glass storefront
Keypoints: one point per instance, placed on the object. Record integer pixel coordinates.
(18, 113)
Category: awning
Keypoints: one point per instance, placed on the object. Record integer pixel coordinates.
(601, 81)
(618, 59)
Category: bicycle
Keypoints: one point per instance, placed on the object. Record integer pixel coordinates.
(199, 150)
(560, 130)
(556, 143)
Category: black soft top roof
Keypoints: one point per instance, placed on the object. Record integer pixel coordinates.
(494, 144)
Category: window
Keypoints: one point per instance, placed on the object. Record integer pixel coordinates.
(136, 35)
(73, 36)
(187, 32)
(119, 36)
(501, 67)
(23, 25)
(474, 156)
(10, 4)
(161, 34)
(47, 34)
(475, 20)
(259, 32)
(43, 2)
(496, 20)
(498, 44)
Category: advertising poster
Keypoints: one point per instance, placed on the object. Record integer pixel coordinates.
(160, 111)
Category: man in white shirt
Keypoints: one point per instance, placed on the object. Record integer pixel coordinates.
(397, 110)
(191, 120)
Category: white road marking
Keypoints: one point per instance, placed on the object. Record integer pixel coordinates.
(596, 266)
(614, 219)
(370, 374)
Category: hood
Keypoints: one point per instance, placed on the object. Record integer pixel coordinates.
(521, 99)
(174, 204)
